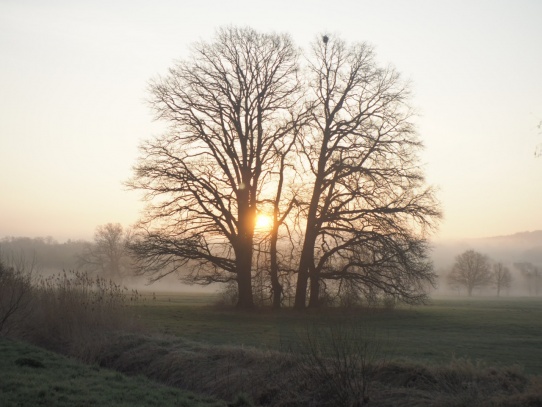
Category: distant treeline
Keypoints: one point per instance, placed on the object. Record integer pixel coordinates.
(49, 254)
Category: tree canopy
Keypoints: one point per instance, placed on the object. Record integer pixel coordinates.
(322, 142)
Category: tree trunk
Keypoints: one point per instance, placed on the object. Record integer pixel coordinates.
(243, 250)
(469, 291)
(307, 254)
(276, 287)
(301, 290)
(243, 262)
(306, 263)
(314, 300)
(303, 275)
(277, 294)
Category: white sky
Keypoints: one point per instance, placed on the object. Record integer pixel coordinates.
(73, 78)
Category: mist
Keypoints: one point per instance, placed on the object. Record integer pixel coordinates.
(516, 251)
(50, 257)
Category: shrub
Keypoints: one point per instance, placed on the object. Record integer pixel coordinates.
(340, 361)
(227, 295)
(389, 302)
(15, 294)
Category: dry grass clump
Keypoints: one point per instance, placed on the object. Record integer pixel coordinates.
(272, 378)
(460, 383)
(226, 370)
(75, 313)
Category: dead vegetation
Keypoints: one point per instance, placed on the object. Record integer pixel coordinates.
(15, 296)
(70, 312)
(73, 310)
(271, 378)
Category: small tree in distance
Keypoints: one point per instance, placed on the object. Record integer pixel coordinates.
(501, 277)
(471, 270)
(532, 275)
(108, 255)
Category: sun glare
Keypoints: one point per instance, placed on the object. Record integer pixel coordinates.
(263, 221)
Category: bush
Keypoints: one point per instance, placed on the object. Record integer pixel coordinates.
(15, 295)
(341, 362)
(227, 295)
(389, 302)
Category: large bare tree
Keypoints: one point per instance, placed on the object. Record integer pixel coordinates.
(332, 158)
(230, 107)
(368, 208)
(471, 270)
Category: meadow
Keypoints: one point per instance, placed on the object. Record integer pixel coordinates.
(479, 352)
(490, 331)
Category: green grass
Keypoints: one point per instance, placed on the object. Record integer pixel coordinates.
(31, 376)
(496, 332)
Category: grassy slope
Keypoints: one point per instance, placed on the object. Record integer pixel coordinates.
(501, 332)
(30, 376)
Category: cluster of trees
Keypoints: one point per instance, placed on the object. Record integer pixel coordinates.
(473, 270)
(322, 143)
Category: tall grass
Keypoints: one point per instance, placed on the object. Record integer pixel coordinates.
(15, 294)
(75, 313)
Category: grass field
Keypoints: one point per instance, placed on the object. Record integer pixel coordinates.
(448, 353)
(31, 376)
(497, 332)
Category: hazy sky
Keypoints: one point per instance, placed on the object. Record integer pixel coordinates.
(73, 84)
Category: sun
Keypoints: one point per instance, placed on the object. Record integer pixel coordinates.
(263, 222)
